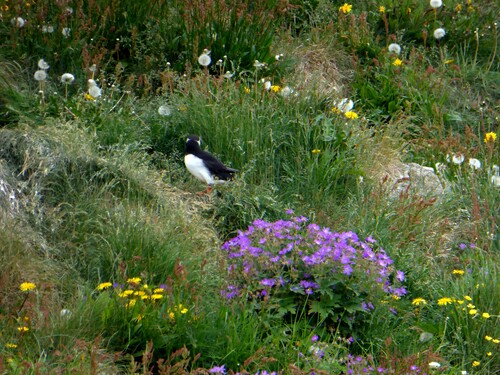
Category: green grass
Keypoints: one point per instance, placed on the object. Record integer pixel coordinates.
(94, 190)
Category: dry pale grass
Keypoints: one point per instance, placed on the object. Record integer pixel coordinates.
(318, 71)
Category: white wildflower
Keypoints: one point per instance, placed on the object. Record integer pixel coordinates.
(165, 110)
(395, 48)
(95, 91)
(65, 313)
(40, 75)
(204, 59)
(345, 105)
(436, 3)
(43, 65)
(439, 33)
(475, 163)
(257, 64)
(458, 159)
(434, 365)
(286, 91)
(18, 22)
(495, 180)
(67, 78)
(267, 85)
(47, 29)
(228, 75)
(66, 32)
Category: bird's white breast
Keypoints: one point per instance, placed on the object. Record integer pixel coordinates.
(198, 169)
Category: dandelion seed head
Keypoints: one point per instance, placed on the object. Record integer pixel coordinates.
(436, 3)
(204, 59)
(67, 78)
(439, 33)
(40, 75)
(394, 48)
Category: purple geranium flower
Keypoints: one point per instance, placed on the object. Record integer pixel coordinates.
(218, 370)
(268, 282)
(400, 275)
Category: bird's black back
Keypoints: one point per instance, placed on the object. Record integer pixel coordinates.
(214, 165)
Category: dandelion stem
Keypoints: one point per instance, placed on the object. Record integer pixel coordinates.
(493, 55)
(22, 304)
(477, 46)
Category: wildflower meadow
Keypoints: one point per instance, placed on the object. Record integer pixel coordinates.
(360, 234)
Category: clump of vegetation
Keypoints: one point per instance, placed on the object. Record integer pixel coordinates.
(112, 263)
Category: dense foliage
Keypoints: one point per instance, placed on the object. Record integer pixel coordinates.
(360, 236)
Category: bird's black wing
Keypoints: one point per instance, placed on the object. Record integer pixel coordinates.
(216, 167)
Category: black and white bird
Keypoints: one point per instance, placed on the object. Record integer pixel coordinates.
(204, 166)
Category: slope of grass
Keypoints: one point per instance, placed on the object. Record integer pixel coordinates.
(122, 257)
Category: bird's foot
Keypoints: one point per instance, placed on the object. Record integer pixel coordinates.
(207, 192)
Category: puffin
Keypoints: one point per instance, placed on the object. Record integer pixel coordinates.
(204, 166)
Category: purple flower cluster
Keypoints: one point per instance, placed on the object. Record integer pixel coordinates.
(291, 256)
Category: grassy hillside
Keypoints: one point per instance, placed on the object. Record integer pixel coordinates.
(360, 235)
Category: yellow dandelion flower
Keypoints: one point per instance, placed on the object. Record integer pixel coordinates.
(103, 286)
(126, 293)
(10, 346)
(449, 61)
(145, 296)
(458, 272)
(275, 88)
(488, 338)
(23, 329)
(460, 302)
(490, 137)
(184, 310)
(171, 315)
(87, 96)
(351, 115)
(476, 363)
(139, 293)
(346, 8)
(468, 298)
(489, 354)
(444, 301)
(381, 9)
(496, 341)
(458, 8)
(145, 286)
(156, 296)
(419, 301)
(336, 110)
(471, 306)
(397, 62)
(134, 280)
(131, 303)
(485, 315)
(473, 311)
(26, 287)
(247, 90)
(315, 151)
(158, 290)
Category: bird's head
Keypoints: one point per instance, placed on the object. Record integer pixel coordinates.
(194, 138)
